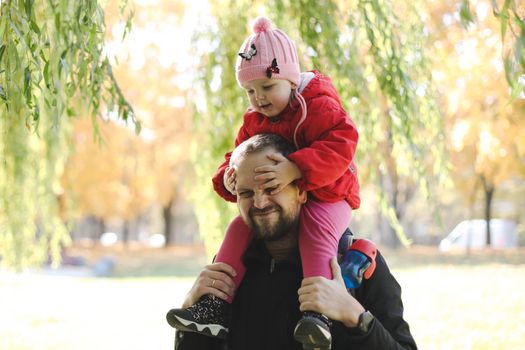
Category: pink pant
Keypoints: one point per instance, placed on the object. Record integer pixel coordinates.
(321, 226)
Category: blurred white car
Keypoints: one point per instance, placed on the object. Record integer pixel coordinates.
(472, 234)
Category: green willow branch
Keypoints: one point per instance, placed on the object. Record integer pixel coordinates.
(52, 68)
(356, 42)
(513, 45)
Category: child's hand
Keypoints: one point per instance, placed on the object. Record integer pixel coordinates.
(278, 175)
(229, 180)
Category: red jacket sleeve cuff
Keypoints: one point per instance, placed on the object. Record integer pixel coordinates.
(218, 186)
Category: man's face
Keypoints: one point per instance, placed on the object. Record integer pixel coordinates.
(271, 217)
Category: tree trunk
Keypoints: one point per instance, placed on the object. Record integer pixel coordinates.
(388, 182)
(125, 233)
(392, 186)
(395, 206)
(377, 235)
(168, 222)
(489, 195)
(101, 228)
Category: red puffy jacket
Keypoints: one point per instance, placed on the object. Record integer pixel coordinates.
(326, 141)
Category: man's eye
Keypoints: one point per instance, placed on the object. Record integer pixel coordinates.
(270, 190)
(250, 92)
(267, 87)
(245, 194)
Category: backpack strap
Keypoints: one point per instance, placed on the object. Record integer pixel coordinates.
(368, 248)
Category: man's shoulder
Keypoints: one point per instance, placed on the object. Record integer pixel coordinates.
(381, 289)
(382, 271)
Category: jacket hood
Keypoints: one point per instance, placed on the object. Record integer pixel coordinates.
(319, 85)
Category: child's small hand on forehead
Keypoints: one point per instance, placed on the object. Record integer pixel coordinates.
(278, 175)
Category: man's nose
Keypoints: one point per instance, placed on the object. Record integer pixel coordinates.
(261, 200)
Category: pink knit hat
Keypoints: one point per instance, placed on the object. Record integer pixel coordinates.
(268, 53)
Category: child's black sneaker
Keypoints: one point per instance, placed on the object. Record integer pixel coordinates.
(313, 331)
(208, 316)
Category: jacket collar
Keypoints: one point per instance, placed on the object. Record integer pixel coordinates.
(257, 254)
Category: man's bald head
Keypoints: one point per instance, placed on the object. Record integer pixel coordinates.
(259, 143)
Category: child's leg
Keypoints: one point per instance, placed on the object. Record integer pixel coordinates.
(209, 315)
(321, 227)
(238, 237)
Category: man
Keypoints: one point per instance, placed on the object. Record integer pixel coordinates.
(270, 299)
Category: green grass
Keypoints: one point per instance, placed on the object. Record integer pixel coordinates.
(450, 304)
(465, 307)
(43, 312)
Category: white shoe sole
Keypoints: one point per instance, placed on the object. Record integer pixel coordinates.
(212, 330)
(312, 336)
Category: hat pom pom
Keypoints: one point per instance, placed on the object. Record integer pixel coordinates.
(261, 24)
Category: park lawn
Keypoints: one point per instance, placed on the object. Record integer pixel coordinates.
(51, 313)
(465, 307)
(448, 307)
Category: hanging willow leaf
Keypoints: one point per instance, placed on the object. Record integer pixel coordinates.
(508, 17)
(42, 44)
(28, 6)
(35, 27)
(363, 46)
(36, 114)
(15, 29)
(127, 27)
(27, 84)
(467, 18)
(503, 17)
(2, 94)
(46, 74)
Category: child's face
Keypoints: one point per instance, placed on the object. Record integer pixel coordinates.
(269, 96)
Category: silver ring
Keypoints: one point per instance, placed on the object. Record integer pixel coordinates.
(213, 283)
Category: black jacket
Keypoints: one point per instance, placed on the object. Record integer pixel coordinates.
(266, 309)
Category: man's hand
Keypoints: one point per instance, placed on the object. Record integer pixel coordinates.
(278, 175)
(330, 297)
(215, 279)
(230, 180)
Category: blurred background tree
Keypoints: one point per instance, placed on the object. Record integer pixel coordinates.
(379, 65)
(428, 84)
(385, 59)
(510, 16)
(123, 187)
(486, 140)
(52, 67)
(145, 175)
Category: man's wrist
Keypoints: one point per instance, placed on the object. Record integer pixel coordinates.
(351, 319)
(365, 322)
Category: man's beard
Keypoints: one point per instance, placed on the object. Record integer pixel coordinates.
(272, 230)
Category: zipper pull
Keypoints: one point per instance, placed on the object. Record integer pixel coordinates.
(272, 265)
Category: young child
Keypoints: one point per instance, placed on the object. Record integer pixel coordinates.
(305, 109)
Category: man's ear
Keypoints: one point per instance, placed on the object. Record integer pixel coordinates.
(302, 196)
